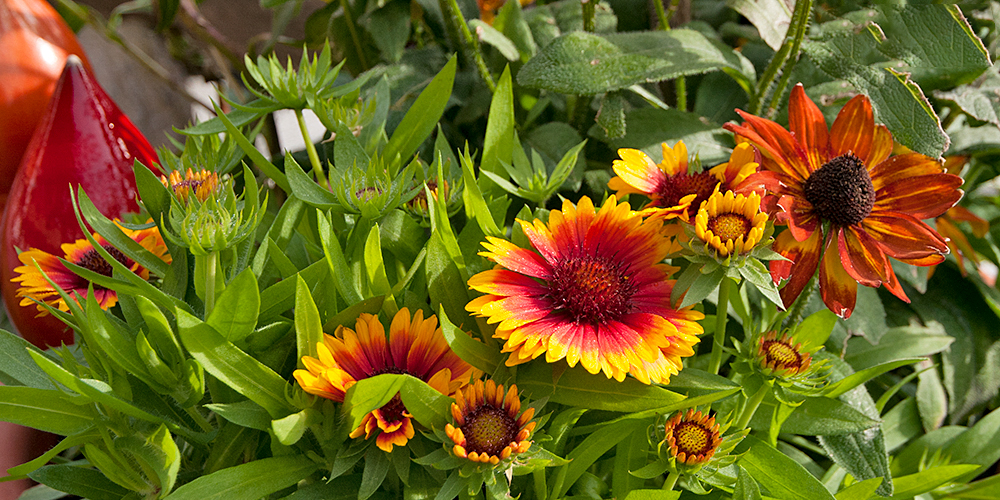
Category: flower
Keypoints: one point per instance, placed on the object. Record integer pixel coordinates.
(488, 8)
(947, 224)
(593, 291)
(489, 427)
(780, 356)
(35, 286)
(671, 189)
(845, 178)
(202, 184)
(731, 223)
(692, 437)
(415, 346)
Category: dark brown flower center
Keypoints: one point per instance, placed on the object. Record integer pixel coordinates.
(692, 438)
(729, 226)
(93, 261)
(678, 186)
(393, 410)
(489, 430)
(841, 191)
(591, 289)
(781, 355)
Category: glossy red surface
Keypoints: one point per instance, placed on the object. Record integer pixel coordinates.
(34, 44)
(83, 139)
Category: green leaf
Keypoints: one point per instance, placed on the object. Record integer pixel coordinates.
(238, 117)
(783, 477)
(898, 343)
(376, 468)
(338, 266)
(577, 387)
(375, 271)
(981, 99)
(649, 127)
(816, 328)
(826, 417)
(236, 310)
(86, 483)
(243, 413)
(746, 488)
(280, 297)
(251, 480)
(422, 116)
(370, 394)
(593, 447)
(469, 349)
(695, 284)
(755, 272)
(588, 64)
(289, 430)
(308, 329)
(861, 490)
(845, 384)
(979, 445)
(48, 410)
(928, 480)
(17, 363)
(425, 403)
(258, 158)
(652, 495)
(932, 402)
(489, 35)
(770, 17)
(114, 235)
(305, 188)
(695, 382)
(232, 366)
(498, 145)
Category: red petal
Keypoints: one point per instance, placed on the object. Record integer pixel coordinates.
(854, 129)
(923, 197)
(903, 236)
(776, 142)
(838, 288)
(881, 147)
(802, 220)
(903, 167)
(861, 256)
(804, 259)
(806, 121)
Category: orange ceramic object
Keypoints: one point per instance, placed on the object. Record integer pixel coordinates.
(84, 140)
(34, 44)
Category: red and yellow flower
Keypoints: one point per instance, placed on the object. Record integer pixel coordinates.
(35, 286)
(692, 437)
(844, 178)
(489, 425)
(415, 346)
(200, 184)
(672, 190)
(730, 223)
(592, 291)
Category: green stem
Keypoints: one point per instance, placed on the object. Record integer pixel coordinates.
(800, 19)
(661, 15)
(680, 89)
(199, 419)
(210, 282)
(349, 19)
(311, 151)
(719, 337)
(589, 12)
(540, 488)
(670, 481)
(458, 28)
(786, 71)
(751, 407)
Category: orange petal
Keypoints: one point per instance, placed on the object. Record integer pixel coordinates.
(776, 143)
(798, 213)
(839, 290)
(854, 129)
(806, 121)
(903, 236)
(861, 256)
(923, 197)
(979, 226)
(804, 257)
(881, 147)
(902, 167)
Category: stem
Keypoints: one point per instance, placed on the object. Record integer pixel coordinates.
(786, 71)
(680, 83)
(589, 12)
(459, 29)
(354, 34)
(751, 407)
(210, 282)
(311, 151)
(661, 15)
(680, 88)
(800, 19)
(670, 481)
(721, 316)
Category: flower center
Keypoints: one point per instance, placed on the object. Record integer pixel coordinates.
(393, 410)
(367, 193)
(488, 430)
(692, 438)
(681, 185)
(781, 355)
(841, 191)
(93, 261)
(729, 226)
(591, 289)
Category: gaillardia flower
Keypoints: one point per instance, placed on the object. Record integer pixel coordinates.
(692, 437)
(671, 189)
(593, 291)
(780, 356)
(415, 346)
(489, 425)
(34, 286)
(844, 179)
(731, 223)
(200, 184)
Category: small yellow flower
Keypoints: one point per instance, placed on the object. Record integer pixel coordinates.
(490, 426)
(778, 355)
(202, 184)
(731, 223)
(693, 437)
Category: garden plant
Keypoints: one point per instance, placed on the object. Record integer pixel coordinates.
(711, 249)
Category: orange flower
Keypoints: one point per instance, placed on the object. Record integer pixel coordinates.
(672, 190)
(415, 347)
(489, 426)
(693, 437)
(201, 184)
(594, 292)
(947, 224)
(845, 177)
(82, 253)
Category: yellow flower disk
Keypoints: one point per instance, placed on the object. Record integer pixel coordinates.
(202, 183)
(730, 223)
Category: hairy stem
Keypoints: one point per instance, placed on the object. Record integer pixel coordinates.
(751, 407)
(210, 282)
(719, 337)
(800, 19)
(589, 12)
(311, 151)
(671, 480)
(793, 55)
(459, 28)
